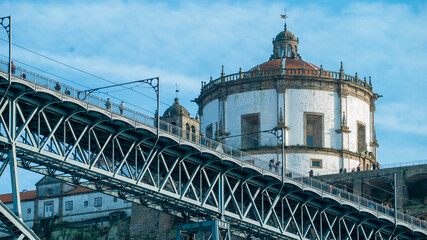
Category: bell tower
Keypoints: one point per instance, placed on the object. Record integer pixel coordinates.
(285, 45)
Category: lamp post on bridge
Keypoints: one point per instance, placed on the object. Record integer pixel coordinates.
(6, 23)
(280, 134)
(153, 82)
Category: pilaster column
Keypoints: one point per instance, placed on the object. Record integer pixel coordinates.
(373, 144)
(358, 186)
(344, 129)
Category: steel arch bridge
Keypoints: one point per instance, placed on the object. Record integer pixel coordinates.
(79, 141)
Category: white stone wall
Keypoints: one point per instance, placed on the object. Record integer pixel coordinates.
(41, 206)
(295, 102)
(299, 101)
(357, 110)
(210, 116)
(28, 217)
(81, 213)
(27, 208)
(263, 102)
(301, 163)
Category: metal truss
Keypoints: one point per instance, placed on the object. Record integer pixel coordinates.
(88, 146)
(208, 230)
(13, 226)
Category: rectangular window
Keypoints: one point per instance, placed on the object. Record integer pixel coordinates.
(86, 203)
(250, 131)
(361, 137)
(98, 202)
(48, 209)
(28, 210)
(316, 163)
(68, 205)
(313, 129)
(209, 132)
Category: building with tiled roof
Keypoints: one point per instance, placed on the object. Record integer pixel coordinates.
(58, 202)
(25, 196)
(327, 117)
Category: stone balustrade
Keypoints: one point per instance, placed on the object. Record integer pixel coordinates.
(314, 73)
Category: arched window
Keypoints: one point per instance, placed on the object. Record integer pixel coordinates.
(193, 133)
(289, 51)
(281, 53)
(187, 127)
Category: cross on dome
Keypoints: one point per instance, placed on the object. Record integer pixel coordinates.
(284, 16)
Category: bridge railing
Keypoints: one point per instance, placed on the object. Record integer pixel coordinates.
(202, 142)
(404, 164)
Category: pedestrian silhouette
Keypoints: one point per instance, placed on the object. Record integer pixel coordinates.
(122, 107)
(108, 104)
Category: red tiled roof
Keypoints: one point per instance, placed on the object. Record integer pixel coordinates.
(31, 195)
(298, 64)
(25, 196)
(290, 63)
(78, 190)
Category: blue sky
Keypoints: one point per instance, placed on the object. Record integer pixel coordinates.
(187, 42)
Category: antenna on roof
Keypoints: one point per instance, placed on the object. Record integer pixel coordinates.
(284, 16)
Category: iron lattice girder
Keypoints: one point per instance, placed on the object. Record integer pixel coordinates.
(208, 230)
(13, 226)
(87, 146)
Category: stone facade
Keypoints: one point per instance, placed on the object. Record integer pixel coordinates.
(178, 116)
(57, 202)
(150, 224)
(329, 116)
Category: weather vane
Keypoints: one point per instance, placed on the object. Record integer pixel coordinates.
(284, 16)
(176, 91)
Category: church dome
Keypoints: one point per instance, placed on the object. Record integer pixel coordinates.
(176, 109)
(285, 45)
(285, 35)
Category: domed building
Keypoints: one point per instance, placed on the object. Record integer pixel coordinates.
(327, 117)
(178, 116)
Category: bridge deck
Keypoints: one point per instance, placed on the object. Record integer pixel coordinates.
(75, 139)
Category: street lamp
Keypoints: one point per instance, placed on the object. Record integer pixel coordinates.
(6, 23)
(153, 82)
(280, 133)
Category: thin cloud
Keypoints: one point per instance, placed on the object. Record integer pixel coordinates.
(403, 118)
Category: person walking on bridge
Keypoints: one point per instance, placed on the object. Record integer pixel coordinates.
(277, 166)
(108, 104)
(122, 108)
(271, 164)
(13, 68)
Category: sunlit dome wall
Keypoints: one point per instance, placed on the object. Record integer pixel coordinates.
(329, 116)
